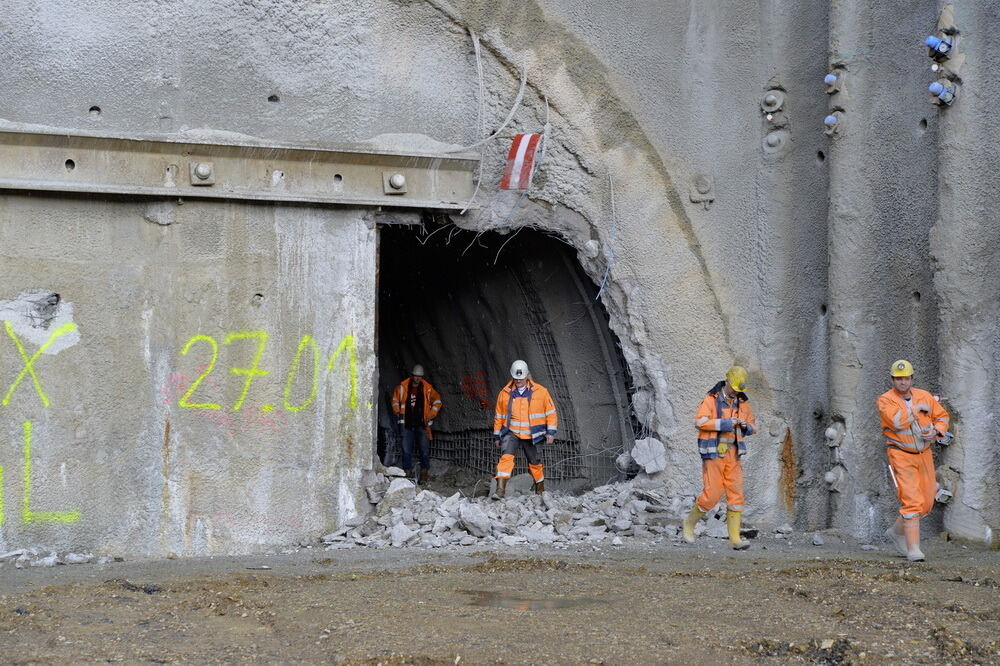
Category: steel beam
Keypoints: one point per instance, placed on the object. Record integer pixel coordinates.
(167, 167)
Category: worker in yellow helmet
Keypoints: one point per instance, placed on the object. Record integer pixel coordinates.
(724, 420)
(912, 420)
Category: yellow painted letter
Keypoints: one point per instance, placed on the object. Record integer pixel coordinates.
(29, 367)
(27, 515)
(253, 370)
(351, 346)
(306, 341)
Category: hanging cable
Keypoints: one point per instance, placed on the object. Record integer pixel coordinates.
(481, 117)
(510, 116)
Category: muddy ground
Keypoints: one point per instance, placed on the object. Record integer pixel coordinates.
(780, 602)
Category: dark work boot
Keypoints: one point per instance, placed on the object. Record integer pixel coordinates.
(501, 489)
(425, 475)
(539, 487)
(409, 473)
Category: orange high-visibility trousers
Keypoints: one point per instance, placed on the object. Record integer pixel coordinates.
(509, 447)
(915, 481)
(722, 474)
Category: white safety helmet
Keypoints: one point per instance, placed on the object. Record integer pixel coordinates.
(519, 370)
(418, 370)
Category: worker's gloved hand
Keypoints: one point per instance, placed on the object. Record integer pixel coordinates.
(496, 440)
(430, 423)
(402, 421)
(549, 439)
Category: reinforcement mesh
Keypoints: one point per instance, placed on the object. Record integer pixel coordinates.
(474, 449)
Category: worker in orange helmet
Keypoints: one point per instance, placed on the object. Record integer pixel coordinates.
(416, 404)
(525, 417)
(724, 420)
(912, 420)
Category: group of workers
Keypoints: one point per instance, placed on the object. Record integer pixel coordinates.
(912, 420)
(525, 417)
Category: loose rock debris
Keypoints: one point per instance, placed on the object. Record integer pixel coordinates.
(37, 557)
(405, 516)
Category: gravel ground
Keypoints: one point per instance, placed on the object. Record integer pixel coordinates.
(783, 601)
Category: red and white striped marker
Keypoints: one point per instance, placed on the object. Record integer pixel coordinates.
(520, 162)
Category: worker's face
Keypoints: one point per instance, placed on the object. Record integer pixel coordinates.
(520, 383)
(417, 380)
(729, 391)
(902, 384)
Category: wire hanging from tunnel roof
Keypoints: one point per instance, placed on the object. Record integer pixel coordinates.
(510, 116)
(481, 117)
(524, 193)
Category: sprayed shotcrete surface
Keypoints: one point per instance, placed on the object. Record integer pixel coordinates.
(814, 262)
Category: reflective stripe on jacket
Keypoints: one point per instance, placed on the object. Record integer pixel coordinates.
(714, 421)
(432, 399)
(531, 415)
(897, 421)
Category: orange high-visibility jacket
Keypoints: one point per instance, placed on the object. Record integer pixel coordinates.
(714, 421)
(432, 399)
(529, 416)
(897, 422)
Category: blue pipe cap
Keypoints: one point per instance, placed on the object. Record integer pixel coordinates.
(932, 42)
(830, 79)
(935, 88)
(831, 120)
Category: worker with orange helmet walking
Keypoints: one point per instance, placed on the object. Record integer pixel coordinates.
(912, 420)
(416, 404)
(724, 420)
(525, 417)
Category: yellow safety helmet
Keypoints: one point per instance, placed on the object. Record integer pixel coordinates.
(737, 378)
(901, 368)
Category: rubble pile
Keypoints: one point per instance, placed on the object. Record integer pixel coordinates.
(36, 557)
(406, 516)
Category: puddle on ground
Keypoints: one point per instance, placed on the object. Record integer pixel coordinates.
(489, 599)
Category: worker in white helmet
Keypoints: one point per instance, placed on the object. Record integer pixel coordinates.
(525, 417)
(912, 420)
(416, 404)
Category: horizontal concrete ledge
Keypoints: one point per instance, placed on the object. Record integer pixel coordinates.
(355, 175)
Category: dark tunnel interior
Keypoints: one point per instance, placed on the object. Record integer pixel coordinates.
(465, 306)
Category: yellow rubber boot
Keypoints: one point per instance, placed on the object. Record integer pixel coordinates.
(733, 519)
(692, 520)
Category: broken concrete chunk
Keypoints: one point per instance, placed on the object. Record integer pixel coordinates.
(650, 454)
(400, 534)
(335, 535)
(817, 539)
(784, 528)
(621, 525)
(393, 471)
(400, 493)
(49, 561)
(475, 521)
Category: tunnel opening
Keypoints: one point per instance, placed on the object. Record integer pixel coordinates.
(465, 306)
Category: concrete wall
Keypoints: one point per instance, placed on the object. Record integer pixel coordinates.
(802, 260)
(145, 435)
